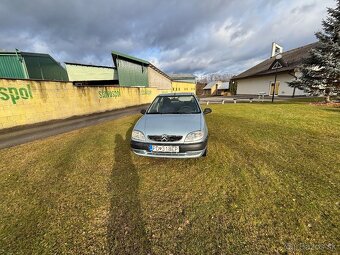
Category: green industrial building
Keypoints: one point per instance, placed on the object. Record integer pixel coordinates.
(35, 66)
(127, 70)
(131, 71)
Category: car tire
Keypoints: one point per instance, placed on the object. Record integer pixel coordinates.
(205, 152)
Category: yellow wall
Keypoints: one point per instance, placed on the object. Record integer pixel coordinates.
(26, 102)
(158, 80)
(179, 87)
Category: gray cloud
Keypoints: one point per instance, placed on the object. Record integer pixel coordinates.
(179, 36)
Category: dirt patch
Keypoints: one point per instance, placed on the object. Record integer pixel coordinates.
(330, 104)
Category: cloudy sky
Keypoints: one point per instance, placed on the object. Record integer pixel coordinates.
(196, 36)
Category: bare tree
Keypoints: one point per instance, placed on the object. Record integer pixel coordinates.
(215, 77)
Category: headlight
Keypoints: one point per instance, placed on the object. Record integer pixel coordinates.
(137, 135)
(194, 136)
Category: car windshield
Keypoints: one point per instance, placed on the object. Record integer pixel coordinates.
(185, 104)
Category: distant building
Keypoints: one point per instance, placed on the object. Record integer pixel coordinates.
(223, 88)
(216, 88)
(260, 78)
(183, 83)
(35, 66)
(211, 89)
(82, 72)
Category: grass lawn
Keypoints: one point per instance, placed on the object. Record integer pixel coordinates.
(270, 184)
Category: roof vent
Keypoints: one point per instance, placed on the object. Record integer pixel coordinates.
(276, 49)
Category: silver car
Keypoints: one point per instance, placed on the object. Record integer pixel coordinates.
(172, 127)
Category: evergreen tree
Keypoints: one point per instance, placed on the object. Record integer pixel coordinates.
(321, 70)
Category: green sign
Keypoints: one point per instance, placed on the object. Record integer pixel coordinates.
(109, 93)
(15, 94)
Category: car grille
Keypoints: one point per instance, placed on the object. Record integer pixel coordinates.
(163, 138)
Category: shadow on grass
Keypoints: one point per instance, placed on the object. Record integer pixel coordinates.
(125, 231)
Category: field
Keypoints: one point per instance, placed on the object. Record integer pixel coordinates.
(270, 184)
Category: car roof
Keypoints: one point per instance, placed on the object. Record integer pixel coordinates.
(177, 94)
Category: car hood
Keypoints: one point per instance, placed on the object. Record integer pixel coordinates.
(170, 124)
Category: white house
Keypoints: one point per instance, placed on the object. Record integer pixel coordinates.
(260, 78)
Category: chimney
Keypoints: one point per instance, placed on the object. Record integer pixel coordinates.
(276, 49)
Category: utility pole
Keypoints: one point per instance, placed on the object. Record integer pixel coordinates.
(277, 57)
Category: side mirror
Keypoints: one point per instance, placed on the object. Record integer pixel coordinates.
(143, 111)
(207, 110)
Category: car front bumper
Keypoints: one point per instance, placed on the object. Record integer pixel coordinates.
(193, 150)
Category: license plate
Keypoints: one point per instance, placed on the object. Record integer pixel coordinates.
(164, 148)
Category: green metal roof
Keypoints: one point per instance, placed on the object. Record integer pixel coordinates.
(128, 57)
(12, 66)
(25, 65)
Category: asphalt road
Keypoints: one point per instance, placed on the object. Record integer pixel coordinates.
(9, 138)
